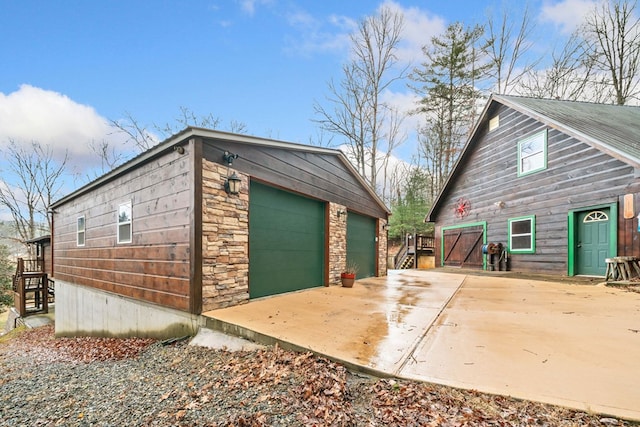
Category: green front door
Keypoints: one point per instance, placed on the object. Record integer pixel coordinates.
(286, 241)
(592, 247)
(361, 243)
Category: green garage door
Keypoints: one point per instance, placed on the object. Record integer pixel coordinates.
(361, 243)
(286, 241)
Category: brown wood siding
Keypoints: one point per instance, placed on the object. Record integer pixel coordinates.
(154, 267)
(628, 234)
(577, 176)
(320, 176)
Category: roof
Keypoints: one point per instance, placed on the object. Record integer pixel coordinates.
(185, 135)
(612, 129)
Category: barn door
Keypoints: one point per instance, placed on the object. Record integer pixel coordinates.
(462, 247)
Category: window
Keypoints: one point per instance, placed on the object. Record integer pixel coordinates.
(522, 235)
(124, 223)
(80, 231)
(532, 154)
(596, 216)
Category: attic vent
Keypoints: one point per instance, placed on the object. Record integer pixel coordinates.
(494, 123)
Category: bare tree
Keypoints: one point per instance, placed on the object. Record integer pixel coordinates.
(36, 181)
(358, 112)
(612, 34)
(143, 138)
(135, 132)
(507, 50)
(569, 77)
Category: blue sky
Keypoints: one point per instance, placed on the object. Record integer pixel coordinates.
(68, 67)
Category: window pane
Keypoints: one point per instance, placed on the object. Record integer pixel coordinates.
(81, 239)
(81, 224)
(520, 242)
(521, 227)
(124, 214)
(533, 162)
(124, 233)
(532, 146)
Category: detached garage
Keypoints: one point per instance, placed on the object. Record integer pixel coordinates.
(207, 220)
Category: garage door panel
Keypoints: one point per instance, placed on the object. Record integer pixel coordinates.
(286, 241)
(361, 243)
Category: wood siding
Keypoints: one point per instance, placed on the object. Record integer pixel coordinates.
(577, 176)
(155, 266)
(316, 175)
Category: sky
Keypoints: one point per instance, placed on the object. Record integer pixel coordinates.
(68, 68)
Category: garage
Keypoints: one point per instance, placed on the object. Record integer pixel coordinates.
(286, 241)
(361, 243)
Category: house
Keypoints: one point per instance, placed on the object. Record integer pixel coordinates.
(148, 247)
(543, 186)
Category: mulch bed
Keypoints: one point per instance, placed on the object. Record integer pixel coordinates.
(46, 381)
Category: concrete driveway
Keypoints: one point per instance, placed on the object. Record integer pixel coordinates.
(572, 345)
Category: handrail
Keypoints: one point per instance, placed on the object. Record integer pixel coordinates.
(401, 252)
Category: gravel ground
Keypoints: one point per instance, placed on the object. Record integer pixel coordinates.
(135, 382)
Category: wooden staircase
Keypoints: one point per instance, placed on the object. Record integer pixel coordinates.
(413, 246)
(32, 289)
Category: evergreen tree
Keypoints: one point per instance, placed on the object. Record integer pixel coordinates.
(447, 85)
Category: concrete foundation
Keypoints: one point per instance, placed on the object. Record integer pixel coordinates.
(82, 311)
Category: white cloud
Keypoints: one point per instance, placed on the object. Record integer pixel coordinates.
(567, 15)
(419, 27)
(328, 34)
(249, 6)
(53, 119)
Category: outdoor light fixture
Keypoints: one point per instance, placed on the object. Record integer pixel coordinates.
(341, 212)
(228, 157)
(232, 184)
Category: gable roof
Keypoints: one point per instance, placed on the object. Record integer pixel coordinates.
(185, 135)
(612, 129)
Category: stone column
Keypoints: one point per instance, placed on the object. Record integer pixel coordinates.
(225, 240)
(337, 241)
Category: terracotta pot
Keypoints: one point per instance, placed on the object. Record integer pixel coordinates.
(347, 279)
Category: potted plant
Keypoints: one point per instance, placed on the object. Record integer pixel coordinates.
(348, 276)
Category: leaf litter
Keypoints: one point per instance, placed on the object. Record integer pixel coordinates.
(135, 381)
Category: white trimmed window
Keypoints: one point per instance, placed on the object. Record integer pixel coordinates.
(80, 231)
(522, 235)
(125, 223)
(532, 154)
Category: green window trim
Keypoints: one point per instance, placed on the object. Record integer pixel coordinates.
(532, 149)
(521, 235)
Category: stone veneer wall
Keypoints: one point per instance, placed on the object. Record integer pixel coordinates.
(383, 248)
(225, 240)
(337, 242)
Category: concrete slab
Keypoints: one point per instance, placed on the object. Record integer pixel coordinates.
(375, 324)
(576, 346)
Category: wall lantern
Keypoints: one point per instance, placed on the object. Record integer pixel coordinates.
(341, 212)
(232, 184)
